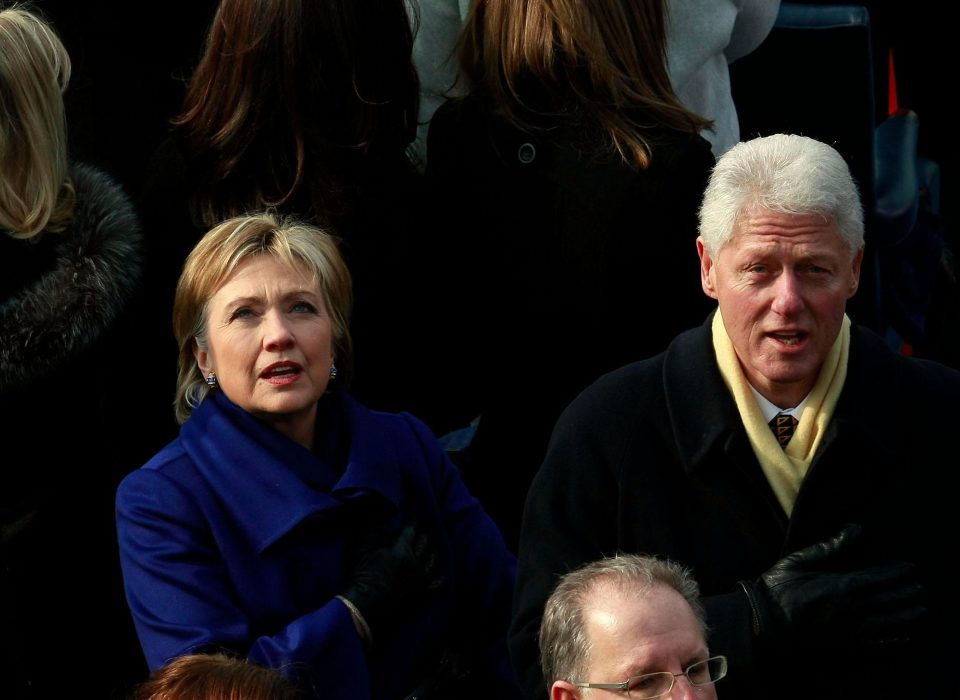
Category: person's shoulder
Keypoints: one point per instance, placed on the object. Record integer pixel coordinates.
(618, 394)
(469, 129)
(169, 463)
(638, 387)
(105, 210)
(168, 486)
(395, 437)
(368, 422)
(98, 190)
(459, 111)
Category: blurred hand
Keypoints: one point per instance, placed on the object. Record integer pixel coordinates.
(809, 598)
(394, 575)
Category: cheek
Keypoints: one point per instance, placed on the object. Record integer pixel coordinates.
(237, 353)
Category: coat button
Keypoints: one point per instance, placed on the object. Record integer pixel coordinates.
(526, 153)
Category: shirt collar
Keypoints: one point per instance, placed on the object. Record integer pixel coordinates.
(769, 410)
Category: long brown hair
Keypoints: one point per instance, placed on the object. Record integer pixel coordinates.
(293, 94)
(597, 66)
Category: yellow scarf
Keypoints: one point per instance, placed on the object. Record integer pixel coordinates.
(785, 469)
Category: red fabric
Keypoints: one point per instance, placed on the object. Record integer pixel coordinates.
(892, 103)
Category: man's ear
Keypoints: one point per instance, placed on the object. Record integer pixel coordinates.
(706, 270)
(562, 690)
(857, 262)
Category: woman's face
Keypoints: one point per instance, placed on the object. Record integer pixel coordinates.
(270, 342)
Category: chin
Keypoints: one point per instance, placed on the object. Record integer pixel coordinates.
(288, 405)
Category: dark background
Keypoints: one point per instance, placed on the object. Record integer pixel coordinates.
(130, 61)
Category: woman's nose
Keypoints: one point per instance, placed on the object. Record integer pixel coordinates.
(277, 333)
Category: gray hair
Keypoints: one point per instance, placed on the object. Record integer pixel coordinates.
(781, 173)
(564, 647)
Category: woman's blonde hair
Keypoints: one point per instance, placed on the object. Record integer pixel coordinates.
(220, 252)
(36, 192)
(595, 65)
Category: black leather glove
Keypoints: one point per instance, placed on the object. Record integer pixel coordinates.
(389, 578)
(814, 598)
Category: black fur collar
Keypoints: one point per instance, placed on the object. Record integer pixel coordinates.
(96, 270)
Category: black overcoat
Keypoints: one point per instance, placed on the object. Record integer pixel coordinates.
(653, 458)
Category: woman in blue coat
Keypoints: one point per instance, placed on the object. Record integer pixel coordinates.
(289, 524)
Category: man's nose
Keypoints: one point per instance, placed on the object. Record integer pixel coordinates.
(683, 689)
(787, 299)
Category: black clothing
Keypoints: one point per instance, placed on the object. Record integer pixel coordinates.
(560, 264)
(654, 458)
(65, 367)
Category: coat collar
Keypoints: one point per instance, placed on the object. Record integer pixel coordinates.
(96, 268)
(273, 484)
(702, 411)
(703, 414)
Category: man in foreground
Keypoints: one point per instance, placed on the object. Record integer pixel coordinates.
(628, 623)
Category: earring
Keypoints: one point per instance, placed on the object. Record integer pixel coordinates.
(333, 371)
(212, 379)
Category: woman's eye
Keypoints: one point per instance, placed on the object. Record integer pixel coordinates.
(242, 312)
(303, 307)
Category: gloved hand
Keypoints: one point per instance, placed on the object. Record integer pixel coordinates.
(392, 576)
(815, 599)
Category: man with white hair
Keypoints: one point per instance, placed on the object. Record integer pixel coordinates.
(790, 458)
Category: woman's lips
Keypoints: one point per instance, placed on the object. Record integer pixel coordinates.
(281, 373)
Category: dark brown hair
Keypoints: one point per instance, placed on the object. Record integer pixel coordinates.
(595, 66)
(294, 95)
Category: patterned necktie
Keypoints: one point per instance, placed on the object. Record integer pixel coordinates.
(783, 425)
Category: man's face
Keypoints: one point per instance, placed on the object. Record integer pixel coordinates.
(631, 635)
(782, 282)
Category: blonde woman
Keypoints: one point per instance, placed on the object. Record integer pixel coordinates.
(69, 264)
(289, 523)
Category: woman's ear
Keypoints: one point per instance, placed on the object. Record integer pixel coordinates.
(203, 357)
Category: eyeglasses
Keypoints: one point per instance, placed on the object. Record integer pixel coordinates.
(656, 685)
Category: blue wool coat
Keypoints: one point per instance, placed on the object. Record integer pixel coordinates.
(234, 537)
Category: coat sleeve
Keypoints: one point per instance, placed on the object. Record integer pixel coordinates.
(179, 594)
(484, 569)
